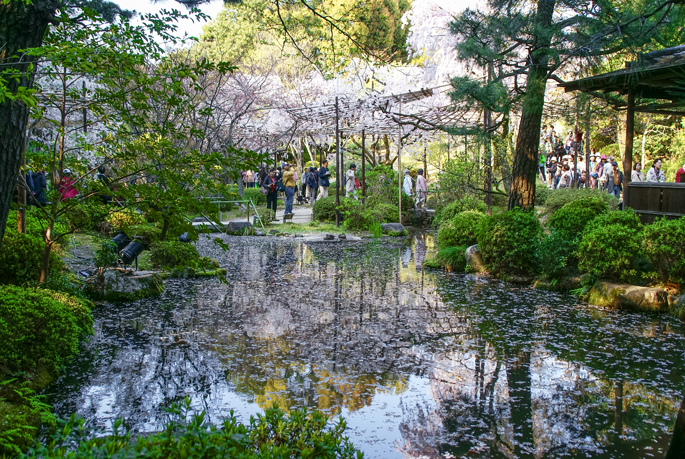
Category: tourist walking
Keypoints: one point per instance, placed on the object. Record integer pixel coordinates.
(655, 174)
(249, 178)
(105, 181)
(67, 190)
(636, 175)
(422, 189)
(289, 184)
(324, 180)
(40, 186)
(350, 181)
(311, 185)
(599, 170)
(271, 189)
(407, 184)
(614, 183)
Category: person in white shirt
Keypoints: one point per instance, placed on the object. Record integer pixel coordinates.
(655, 174)
(637, 175)
(407, 184)
(350, 180)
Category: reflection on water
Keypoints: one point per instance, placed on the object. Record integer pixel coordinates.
(421, 364)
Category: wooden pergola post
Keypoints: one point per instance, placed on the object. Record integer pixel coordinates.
(337, 164)
(399, 158)
(628, 156)
(363, 166)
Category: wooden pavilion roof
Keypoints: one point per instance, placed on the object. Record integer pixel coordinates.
(657, 79)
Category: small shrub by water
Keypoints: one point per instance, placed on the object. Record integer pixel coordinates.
(258, 199)
(626, 218)
(558, 198)
(557, 255)
(571, 219)
(461, 231)
(663, 243)
(22, 413)
(610, 251)
(124, 219)
(173, 254)
(324, 209)
(508, 242)
(272, 434)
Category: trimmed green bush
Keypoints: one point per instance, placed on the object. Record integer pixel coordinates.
(461, 231)
(147, 232)
(557, 255)
(627, 218)
(609, 251)
(451, 258)
(173, 254)
(663, 243)
(508, 242)
(40, 327)
(124, 219)
(571, 219)
(273, 434)
(447, 213)
(541, 194)
(324, 209)
(20, 258)
(558, 198)
(258, 199)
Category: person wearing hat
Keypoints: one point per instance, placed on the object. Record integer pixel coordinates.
(407, 184)
(67, 190)
(614, 182)
(350, 180)
(421, 189)
(289, 184)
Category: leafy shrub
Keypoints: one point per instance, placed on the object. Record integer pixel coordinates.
(627, 218)
(375, 230)
(107, 255)
(508, 242)
(258, 199)
(571, 219)
(541, 194)
(20, 258)
(34, 223)
(557, 255)
(22, 412)
(609, 251)
(87, 215)
(663, 243)
(147, 232)
(447, 213)
(173, 254)
(122, 220)
(461, 231)
(451, 258)
(272, 434)
(267, 215)
(324, 209)
(558, 198)
(40, 327)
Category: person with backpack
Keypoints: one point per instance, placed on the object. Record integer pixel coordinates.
(270, 187)
(290, 184)
(40, 186)
(324, 179)
(310, 178)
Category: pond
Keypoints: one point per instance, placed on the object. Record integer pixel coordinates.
(420, 363)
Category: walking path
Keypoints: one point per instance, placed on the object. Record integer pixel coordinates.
(301, 215)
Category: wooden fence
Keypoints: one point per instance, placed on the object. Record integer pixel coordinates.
(651, 200)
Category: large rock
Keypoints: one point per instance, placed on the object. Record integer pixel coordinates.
(393, 229)
(628, 297)
(239, 228)
(121, 285)
(474, 261)
(419, 215)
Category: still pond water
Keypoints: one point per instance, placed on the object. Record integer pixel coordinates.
(420, 363)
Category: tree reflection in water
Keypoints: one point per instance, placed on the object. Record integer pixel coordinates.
(423, 364)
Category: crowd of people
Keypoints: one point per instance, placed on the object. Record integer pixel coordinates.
(562, 165)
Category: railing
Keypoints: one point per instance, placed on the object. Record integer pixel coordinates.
(651, 200)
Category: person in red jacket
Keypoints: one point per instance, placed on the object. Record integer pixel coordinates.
(680, 175)
(67, 190)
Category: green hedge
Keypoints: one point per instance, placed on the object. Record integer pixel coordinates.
(257, 197)
(20, 258)
(272, 434)
(461, 231)
(40, 328)
(610, 251)
(324, 209)
(508, 242)
(663, 243)
(571, 219)
(173, 254)
(558, 198)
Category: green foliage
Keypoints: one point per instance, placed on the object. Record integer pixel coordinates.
(40, 328)
(124, 219)
(663, 243)
(324, 209)
(542, 192)
(571, 219)
(149, 233)
(375, 229)
(626, 218)
(20, 258)
(173, 254)
(272, 434)
(559, 198)
(266, 215)
(461, 231)
(451, 258)
(508, 242)
(107, 255)
(22, 413)
(611, 150)
(459, 184)
(258, 199)
(447, 213)
(609, 251)
(557, 255)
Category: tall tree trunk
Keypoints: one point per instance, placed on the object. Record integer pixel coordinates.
(528, 140)
(501, 147)
(22, 26)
